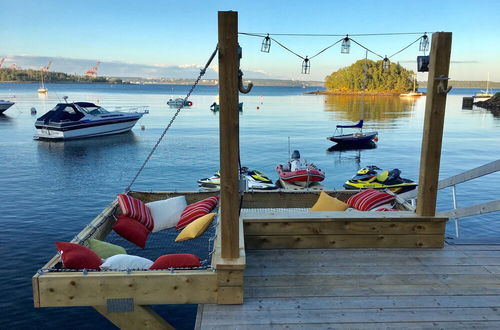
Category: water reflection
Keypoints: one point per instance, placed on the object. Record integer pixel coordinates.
(350, 154)
(372, 108)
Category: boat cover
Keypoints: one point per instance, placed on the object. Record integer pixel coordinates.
(358, 125)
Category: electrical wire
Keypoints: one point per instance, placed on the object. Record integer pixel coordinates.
(256, 34)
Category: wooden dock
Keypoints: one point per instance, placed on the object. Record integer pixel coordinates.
(457, 287)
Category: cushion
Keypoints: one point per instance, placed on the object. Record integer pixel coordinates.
(369, 199)
(196, 210)
(166, 213)
(126, 262)
(104, 249)
(326, 202)
(384, 209)
(131, 230)
(133, 208)
(195, 228)
(76, 256)
(180, 260)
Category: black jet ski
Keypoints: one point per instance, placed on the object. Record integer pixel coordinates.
(255, 180)
(376, 178)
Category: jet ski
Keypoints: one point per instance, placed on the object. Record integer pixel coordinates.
(255, 180)
(376, 178)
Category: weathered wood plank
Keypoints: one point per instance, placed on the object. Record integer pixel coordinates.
(146, 288)
(343, 241)
(142, 317)
(468, 211)
(297, 269)
(339, 303)
(367, 280)
(300, 216)
(341, 227)
(452, 325)
(375, 315)
(376, 290)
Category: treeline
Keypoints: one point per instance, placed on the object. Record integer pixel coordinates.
(29, 75)
(369, 75)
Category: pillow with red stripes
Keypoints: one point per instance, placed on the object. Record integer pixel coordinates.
(196, 210)
(369, 199)
(134, 208)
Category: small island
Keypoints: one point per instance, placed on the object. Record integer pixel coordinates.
(369, 77)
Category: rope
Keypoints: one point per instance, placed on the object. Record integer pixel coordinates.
(405, 47)
(202, 72)
(326, 48)
(256, 34)
(367, 49)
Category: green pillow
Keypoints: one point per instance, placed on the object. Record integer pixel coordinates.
(105, 249)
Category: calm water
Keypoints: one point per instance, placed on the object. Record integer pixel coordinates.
(52, 189)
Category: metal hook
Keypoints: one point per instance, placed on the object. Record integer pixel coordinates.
(240, 84)
(440, 87)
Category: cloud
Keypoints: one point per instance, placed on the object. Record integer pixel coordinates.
(120, 69)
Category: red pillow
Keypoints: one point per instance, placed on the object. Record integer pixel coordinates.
(385, 209)
(77, 256)
(131, 230)
(196, 210)
(134, 208)
(180, 260)
(369, 199)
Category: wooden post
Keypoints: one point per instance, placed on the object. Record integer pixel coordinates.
(433, 123)
(229, 133)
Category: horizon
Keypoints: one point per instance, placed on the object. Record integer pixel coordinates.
(114, 34)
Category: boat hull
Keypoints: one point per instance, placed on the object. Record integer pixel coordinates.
(5, 105)
(354, 138)
(303, 177)
(58, 133)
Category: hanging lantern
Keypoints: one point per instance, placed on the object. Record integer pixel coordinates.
(306, 66)
(346, 45)
(266, 44)
(423, 63)
(424, 43)
(386, 64)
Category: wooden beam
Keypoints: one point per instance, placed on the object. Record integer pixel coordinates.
(433, 123)
(229, 132)
(142, 317)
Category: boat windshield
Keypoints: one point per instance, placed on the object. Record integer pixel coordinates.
(61, 113)
(92, 109)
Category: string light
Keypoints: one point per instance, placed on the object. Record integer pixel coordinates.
(424, 43)
(385, 64)
(306, 66)
(346, 45)
(266, 44)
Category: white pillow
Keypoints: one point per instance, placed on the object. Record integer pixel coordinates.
(126, 262)
(167, 212)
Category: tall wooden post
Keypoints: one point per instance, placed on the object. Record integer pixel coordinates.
(433, 123)
(229, 133)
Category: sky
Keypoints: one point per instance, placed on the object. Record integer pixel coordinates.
(174, 38)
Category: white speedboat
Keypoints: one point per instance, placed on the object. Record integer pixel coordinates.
(4, 105)
(82, 120)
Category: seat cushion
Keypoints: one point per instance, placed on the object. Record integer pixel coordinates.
(195, 228)
(126, 262)
(196, 210)
(167, 212)
(134, 208)
(105, 249)
(369, 199)
(180, 260)
(131, 230)
(76, 256)
(326, 202)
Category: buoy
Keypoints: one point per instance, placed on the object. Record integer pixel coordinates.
(143, 127)
(258, 108)
(33, 110)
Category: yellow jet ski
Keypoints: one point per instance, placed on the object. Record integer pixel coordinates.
(376, 178)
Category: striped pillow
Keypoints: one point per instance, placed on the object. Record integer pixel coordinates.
(133, 208)
(196, 210)
(369, 199)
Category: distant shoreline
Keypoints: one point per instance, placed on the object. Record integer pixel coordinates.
(326, 92)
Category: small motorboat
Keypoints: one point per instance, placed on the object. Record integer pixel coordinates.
(254, 178)
(178, 102)
(4, 105)
(84, 119)
(216, 107)
(299, 172)
(375, 178)
(353, 138)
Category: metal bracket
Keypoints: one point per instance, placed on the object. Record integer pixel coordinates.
(440, 87)
(241, 88)
(120, 305)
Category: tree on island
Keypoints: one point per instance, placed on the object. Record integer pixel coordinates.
(30, 75)
(353, 78)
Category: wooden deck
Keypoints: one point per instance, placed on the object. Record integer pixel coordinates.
(457, 287)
